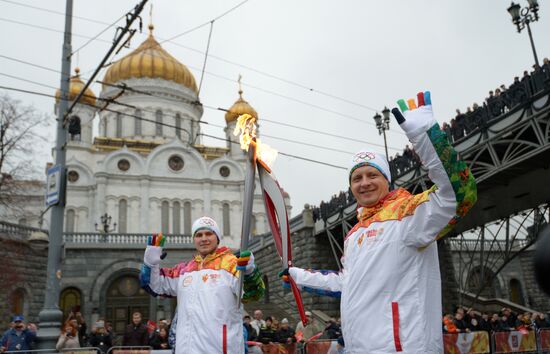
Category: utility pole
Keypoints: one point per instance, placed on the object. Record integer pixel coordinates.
(50, 317)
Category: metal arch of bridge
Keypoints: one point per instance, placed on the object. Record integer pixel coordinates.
(490, 248)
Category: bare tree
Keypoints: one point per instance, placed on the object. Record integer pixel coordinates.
(22, 136)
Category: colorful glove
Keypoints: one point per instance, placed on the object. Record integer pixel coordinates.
(245, 262)
(153, 253)
(416, 119)
(284, 275)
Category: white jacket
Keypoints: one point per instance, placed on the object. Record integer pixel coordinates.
(390, 284)
(209, 320)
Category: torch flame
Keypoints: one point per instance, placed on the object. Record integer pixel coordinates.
(246, 127)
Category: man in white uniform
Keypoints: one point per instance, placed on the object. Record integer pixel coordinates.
(390, 284)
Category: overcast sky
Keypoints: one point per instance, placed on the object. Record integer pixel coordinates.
(356, 56)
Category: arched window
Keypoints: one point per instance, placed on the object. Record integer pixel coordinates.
(69, 300)
(118, 125)
(137, 122)
(226, 222)
(516, 294)
(176, 218)
(164, 217)
(187, 218)
(158, 125)
(17, 302)
(70, 220)
(178, 125)
(122, 216)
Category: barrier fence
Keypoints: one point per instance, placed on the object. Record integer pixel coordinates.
(514, 342)
(129, 350)
(466, 343)
(544, 340)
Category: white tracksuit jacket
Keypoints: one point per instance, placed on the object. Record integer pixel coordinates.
(209, 320)
(390, 283)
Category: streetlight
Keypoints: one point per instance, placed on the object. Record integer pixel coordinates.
(523, 17)
(383, 124)
(105, 226)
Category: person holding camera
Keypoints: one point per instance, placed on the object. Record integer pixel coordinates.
(99, 337)
(68, 338)
(20, 336)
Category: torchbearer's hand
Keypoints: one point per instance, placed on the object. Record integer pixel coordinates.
(285, 277)
(245, 262)
(154, 253)
(417, 117)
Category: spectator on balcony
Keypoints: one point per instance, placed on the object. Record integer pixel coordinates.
(460, 120)
(447, 129)
(517, 93)
(537, 79)
(408, 155)
(546, 69)
(527, 84)
(285, 334)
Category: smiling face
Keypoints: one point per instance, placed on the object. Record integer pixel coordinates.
(205, 241)
(368, 185)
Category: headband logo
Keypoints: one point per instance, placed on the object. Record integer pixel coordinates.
(363, 156)
(208, 221)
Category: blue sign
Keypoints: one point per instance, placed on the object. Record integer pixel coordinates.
(53, 185)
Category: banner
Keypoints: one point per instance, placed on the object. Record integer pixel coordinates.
(515, 342)
(466, 343)
(276, 348)
(544, 336)
(322, 347)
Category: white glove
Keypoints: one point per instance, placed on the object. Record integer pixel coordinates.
(153, 253)
(417, 117)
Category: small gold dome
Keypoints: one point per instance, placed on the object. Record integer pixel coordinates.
(75, 87)
(239, 108)
(152, 61)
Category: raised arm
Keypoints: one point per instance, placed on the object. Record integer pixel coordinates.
(454, 192)
(153, 279)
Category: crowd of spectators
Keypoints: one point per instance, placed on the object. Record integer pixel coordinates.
(500, 101)
(469, 320)
(270, 330)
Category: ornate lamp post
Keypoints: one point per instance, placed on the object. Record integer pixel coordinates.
(383, 124)
(522, 17)
(105, 226)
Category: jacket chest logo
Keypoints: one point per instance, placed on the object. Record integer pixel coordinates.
(187, 280)
(213, 278)
(370, 234)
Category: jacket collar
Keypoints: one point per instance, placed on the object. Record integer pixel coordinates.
(220, 251)
(364, 213)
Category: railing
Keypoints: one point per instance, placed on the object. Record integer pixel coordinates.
(120, 239)
(474, 245)
(17, 231)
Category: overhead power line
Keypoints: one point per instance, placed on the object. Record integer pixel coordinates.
(173, 126)
(125, 87)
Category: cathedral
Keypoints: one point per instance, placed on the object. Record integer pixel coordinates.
(147, 170)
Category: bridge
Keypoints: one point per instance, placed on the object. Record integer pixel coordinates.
(509, 155)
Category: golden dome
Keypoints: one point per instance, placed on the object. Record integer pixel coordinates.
(239, 108)
(150, 60)
(75, 87)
